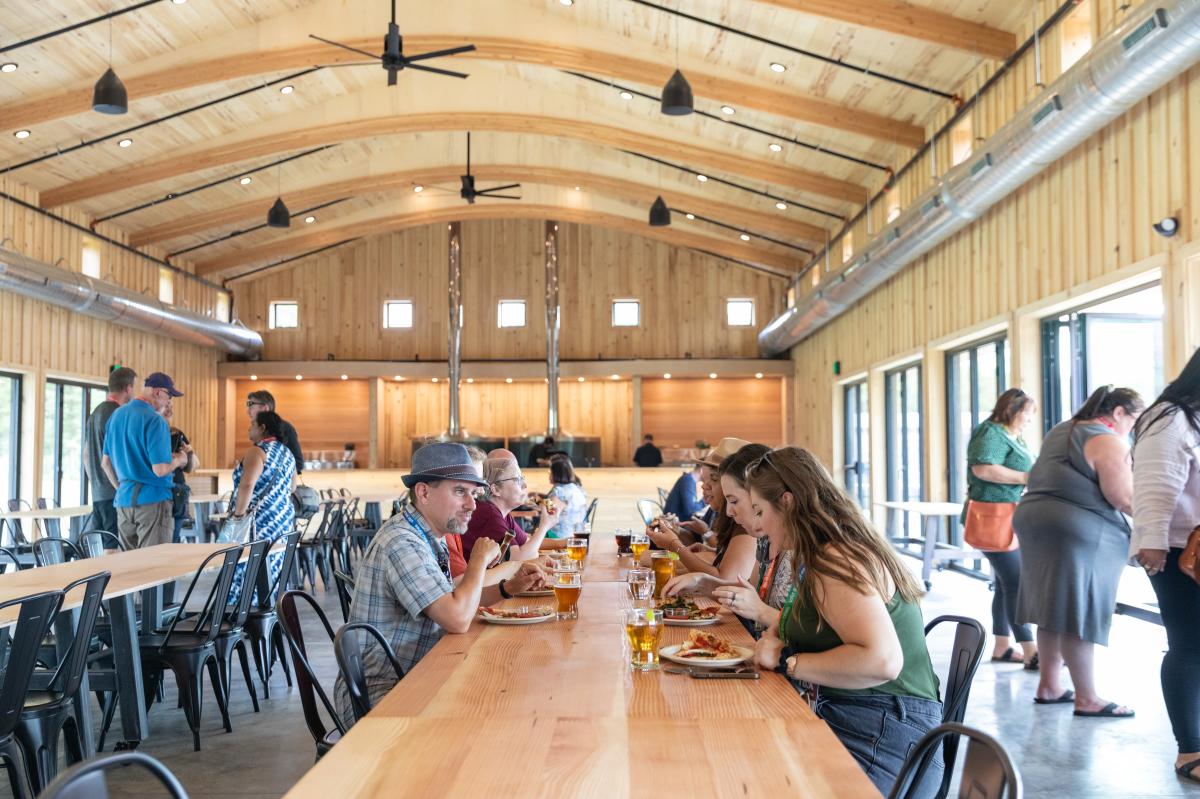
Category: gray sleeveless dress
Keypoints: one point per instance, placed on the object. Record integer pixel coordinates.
(1073, 543)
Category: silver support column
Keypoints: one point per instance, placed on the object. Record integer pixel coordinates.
(454, 260)
(552, 328)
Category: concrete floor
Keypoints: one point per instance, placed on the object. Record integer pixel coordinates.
(1060, 756)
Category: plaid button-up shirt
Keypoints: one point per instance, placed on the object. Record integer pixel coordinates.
(400, 575)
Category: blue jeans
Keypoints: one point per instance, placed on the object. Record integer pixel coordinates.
(880, 730)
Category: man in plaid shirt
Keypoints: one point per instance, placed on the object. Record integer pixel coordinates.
(403, 585)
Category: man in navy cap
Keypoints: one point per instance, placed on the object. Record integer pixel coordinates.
(403, 584)
(138, 460)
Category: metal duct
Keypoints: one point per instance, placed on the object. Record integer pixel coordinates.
(552, 328)
(454, 259)
(1155, 43)
(100, 300)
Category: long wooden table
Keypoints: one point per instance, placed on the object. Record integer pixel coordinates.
(553, 710)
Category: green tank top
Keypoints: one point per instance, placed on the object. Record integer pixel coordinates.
(798, 629)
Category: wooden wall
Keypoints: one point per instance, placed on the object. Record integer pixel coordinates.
(341, 296)
(40, 340)
(327, 414)
(678, 412)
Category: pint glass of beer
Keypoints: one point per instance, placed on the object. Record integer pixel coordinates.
(567, 587)
(643, 627)
(577, 549)
(638, 544)
(663, 564)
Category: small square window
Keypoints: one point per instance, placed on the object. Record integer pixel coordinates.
(222, 307)
(284, 315)
(1076, 34)
(626, 313)
(892, 199)
(847, 246)
(739, 312)
(398, 313)
(961, 143)
(91, 258)
(166, 285)
(511, 313)
(791, 297)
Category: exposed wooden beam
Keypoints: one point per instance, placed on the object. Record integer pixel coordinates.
(774, 224)
(186, 161)
(777, 263)
(925, 24)
(616, 65)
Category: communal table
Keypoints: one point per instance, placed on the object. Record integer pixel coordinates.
(136, 571)
(936, 518)
(553, 710)
(46, 515)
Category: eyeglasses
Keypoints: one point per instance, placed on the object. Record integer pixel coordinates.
(253, 404)
(519, 480)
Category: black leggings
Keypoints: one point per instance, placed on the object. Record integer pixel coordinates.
(1179, 602)
(1007, 568)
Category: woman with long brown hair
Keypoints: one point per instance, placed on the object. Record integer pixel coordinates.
(854, 624)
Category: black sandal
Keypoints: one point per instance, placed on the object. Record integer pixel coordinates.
(1032, 665)
(1106, 712)
(1067, 696)
(1185, 770)
(1007, 657)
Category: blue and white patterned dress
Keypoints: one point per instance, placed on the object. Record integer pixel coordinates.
(271, 504)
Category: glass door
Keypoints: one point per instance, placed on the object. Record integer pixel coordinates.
(67, 406)
(905, 446)
(857, 445)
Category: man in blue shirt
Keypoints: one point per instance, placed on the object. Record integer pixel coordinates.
(683, 500)
(138, 460)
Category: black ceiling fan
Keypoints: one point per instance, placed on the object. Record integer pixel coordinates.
(468, 191)
(393, 58)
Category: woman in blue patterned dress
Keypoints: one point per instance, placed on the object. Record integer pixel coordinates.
(262, 481)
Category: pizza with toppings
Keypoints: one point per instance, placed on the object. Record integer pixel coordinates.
(681, 608)
(517, 613)
(706, 646)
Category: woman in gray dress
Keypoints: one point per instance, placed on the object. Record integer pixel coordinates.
(1075, 538)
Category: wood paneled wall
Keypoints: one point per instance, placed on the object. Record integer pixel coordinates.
(327, 414)
(40, 340)
(341, 294)
(678, 412)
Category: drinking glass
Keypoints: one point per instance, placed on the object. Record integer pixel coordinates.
(623, 537)
(643, 627)
(567, 587)
(638, 544)
(577, 549)
(663, 564)
(641, 585)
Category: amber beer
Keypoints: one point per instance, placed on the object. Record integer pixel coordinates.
(577, 549)
(638, 544)
(643, 627)
(567, 587)
(664, 569)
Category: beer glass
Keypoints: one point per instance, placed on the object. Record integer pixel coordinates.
(638, 544)
(623, 537)
(643, 627)
(567, 587)
(641, 585)
(577, 549)
(663, 564)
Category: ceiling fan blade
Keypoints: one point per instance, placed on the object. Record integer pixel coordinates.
(350, 64)
(346, 47)
(439, 53)
(391, 77)
(505, 187)
(442, 189)
(438, 71)
(496, 196)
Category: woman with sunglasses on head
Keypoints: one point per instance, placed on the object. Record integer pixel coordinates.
(492, 517)
(853, 626)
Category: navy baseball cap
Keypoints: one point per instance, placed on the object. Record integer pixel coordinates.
(163, 380)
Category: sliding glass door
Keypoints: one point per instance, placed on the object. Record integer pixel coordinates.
(66, 408)
(905, 445)
(857, 444)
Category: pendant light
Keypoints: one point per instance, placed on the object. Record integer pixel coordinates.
(109, 95)
(660, 214)
(279, 215)
(677, 93)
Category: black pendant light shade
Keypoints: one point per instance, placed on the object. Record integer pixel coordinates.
(109, 96)
(660, 214)
(279, 216)
(677, 96)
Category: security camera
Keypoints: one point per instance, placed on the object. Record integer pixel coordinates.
(1168, 227)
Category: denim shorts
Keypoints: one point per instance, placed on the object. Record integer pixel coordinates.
(880, 731)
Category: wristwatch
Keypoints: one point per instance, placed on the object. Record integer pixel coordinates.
(503, 593)
(784, 667)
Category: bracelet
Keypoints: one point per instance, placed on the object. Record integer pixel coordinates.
(785, 665)
(503, 593)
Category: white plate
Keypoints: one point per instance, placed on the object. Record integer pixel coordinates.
(669, 653)
(502, 621)
(691, 622)
(547, 592)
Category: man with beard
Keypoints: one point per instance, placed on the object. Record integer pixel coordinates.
(403, 585)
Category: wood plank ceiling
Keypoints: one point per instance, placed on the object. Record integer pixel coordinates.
(560, 99)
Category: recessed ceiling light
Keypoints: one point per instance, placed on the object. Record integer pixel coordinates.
(781, 206)
(666, 376)
(345, 377)
(288, 89)
(8, 66)
(22, 134)
(728, 109)
(308, 220)
(246, 181)
(744, 237)
(253, 377)
(178, 2)
(712, 375)
(777, 67)
(418, 189)
(299, 377)
(125, 143)
(775, 147)
(614, 377)
(576, 188)
(580, 379)
(398, 377)
(758, 375)
(435, 379)
(567, 3)
(690, 216)
(702, 178)
(470, 380)
(508, 380)
(626, 94)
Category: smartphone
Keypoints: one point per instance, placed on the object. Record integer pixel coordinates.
(724, 674)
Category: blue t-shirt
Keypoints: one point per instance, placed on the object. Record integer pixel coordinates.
(136, 438)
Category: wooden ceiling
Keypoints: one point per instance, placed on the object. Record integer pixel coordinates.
(542, 102)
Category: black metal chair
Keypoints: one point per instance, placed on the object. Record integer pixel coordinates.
(94, 543)
(306, 679)
(20, 543)
(967, 651)
(88, 780)
(589, 518)
(345, 592)
(34, 617)
(649, 510)
(988, 772)
(347, 648)
(9, 561)
(50, 711)
(52, 527)
(231, 637)
(262, 624)
(314, 550)
(188, 651)
(51, 551)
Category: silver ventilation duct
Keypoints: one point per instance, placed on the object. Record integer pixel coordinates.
(454, 259)
(100, 300)
(552, 328)
(1155, 43)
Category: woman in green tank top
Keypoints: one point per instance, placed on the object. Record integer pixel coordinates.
(853, 628)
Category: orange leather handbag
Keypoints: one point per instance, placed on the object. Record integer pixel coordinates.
(989, 526)
(1190, 555)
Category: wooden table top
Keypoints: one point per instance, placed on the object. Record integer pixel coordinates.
(926, 508)
(553, 710)
(47, 513)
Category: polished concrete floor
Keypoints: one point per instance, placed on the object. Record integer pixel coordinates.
(1060, 756)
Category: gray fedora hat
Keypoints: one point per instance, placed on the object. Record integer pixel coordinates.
(442, 461)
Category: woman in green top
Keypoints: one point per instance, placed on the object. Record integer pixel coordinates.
(853, 626)
(998, 464)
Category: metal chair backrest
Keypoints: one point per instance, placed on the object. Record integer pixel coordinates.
(345, 591)
(8, 559)
(967, 652)
(41, 503)
(590, 516)
(988, 772)
(207, 623)
(662, 497)
(255, 565)
(266, 588)
(49, 551)
(347, 648)
(649, 510)
(306, 679)
(93, 543)
(87, 780)
(69, 674)
(34, 618)
(18, 532)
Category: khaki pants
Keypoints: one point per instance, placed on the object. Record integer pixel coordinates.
(146, 525)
